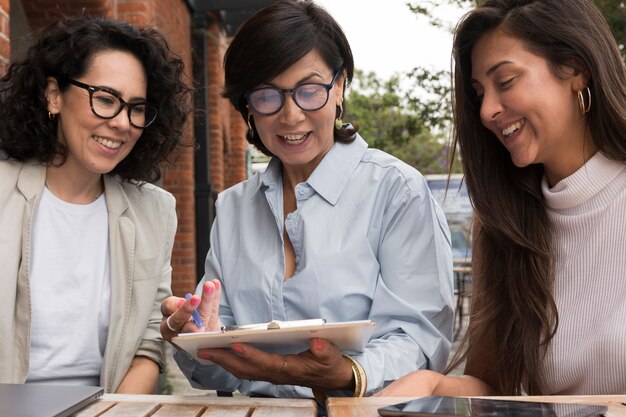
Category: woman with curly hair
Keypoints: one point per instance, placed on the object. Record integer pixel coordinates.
(86, 117)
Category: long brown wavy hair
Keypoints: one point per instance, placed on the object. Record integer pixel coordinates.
(514, 315)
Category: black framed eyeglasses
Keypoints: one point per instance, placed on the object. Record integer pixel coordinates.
(107, 104)
(307, 96)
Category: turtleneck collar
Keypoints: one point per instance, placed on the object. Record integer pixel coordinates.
(583, 184)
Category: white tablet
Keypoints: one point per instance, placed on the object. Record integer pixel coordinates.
(281, 337)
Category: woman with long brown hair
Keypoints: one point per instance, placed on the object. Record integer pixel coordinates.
(540, 121)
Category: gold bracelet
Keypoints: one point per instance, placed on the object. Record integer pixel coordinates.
(360, 377)
(360, 382)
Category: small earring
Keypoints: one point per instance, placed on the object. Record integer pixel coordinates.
(338, 121)
(584, 108)
(51, 116)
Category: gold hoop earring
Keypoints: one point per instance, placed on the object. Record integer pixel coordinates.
(338, 121)
(51, 116)
(584, 108)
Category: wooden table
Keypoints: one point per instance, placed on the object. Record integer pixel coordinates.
(367, 407)
(117, 405)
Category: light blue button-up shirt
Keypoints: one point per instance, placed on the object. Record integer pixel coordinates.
(370, 243)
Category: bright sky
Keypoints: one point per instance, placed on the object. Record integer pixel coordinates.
(386, 37)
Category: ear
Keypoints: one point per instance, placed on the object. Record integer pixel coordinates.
(340, 85)
(53, 95)
(580, 76)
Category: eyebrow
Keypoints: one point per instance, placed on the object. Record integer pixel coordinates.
(305, 79)
(492, 69)
(117, 93)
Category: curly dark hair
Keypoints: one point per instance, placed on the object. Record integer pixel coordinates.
(273, 40)
(64, 50)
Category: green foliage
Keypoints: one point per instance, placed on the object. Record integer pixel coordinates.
(392, 121)
(429, 9)
(429, 96)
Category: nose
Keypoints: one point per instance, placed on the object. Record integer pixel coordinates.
(490, 108)
(122, 120)
(291, 113)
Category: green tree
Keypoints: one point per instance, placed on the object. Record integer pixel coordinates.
(388, 120)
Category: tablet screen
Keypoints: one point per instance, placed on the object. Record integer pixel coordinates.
(483, 407)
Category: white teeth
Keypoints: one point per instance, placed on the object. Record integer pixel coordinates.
(108, 143)
(509, 130)
(294, 139)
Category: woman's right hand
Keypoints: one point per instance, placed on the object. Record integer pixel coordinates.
(177, 312)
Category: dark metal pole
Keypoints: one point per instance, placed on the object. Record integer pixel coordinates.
(205, 197)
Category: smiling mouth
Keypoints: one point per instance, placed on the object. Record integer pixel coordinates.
(512, 129)
(107, 143)
(295, 139)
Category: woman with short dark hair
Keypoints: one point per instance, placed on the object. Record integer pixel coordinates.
(330, 230)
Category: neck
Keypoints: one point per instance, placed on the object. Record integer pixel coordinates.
(71, 189)
(567, 164)
(292, 177)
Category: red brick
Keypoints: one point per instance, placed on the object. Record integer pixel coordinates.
(139, 7)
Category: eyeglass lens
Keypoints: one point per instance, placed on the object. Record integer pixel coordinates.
(106, 105)
(307, 97)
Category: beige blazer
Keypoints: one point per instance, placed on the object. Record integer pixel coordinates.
(142, 225)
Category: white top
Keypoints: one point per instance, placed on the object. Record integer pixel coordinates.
(70, 291)
(588, 215)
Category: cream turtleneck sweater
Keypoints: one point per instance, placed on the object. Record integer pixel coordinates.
(587, 211)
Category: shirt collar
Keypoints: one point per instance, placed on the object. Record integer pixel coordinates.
(330, 177)
(334, 171)
(582, 185)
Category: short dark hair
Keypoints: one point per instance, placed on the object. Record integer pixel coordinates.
(65, 50)
(273, 40)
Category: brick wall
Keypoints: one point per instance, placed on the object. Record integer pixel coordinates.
(41, 12)
(235, 158)
(5, 45)
(217, 105)
(228, 144)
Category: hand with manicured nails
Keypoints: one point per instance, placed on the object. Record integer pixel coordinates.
(321, 367)
(177, 312)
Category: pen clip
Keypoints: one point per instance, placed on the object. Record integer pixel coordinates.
(274, 325)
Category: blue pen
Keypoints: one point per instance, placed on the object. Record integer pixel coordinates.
(196, 316)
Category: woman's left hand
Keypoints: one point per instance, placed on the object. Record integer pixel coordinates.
(321, 367)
